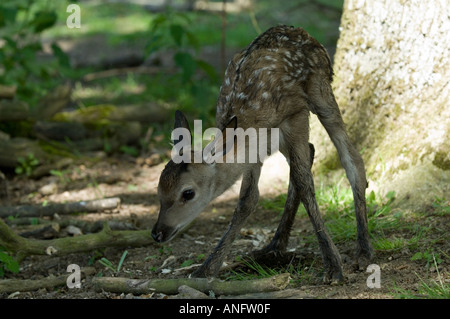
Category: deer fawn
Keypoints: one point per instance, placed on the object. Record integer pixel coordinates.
(274, 83)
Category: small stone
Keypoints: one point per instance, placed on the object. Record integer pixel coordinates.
(49, 189)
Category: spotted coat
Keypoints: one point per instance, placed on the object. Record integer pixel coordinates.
(263, 82)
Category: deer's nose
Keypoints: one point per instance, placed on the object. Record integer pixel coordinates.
(157, 236)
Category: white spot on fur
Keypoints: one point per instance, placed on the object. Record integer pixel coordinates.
(242, 96)
(287, 62)
(270, 58)
(254, 105)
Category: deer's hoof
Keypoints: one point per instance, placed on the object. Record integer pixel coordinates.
(333, 277)
(199, 273)
(270, 257)
(362, 259)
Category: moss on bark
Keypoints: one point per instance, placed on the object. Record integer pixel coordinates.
(392, 83)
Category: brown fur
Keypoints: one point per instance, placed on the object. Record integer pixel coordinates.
(274, 83)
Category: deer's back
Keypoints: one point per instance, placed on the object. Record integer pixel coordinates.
(267, 82)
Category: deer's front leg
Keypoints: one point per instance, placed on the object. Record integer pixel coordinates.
(248, 198)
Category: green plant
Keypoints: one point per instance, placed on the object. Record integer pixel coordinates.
(187, 263)
(336, 202)
(108, 264)
(165, 250)
(428, 256)
(97, 254)
(256, 270)
(21, 25)
(428, 289)
(26, 164)
(441, 206)
(172, 30)
(7, 263)
(129, 150)
(62, 175)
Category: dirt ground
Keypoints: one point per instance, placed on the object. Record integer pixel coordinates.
(136, 185)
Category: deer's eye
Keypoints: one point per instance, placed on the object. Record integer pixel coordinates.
(188, 195)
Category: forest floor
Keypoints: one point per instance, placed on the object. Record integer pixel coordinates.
(135, 184)
(413, 254)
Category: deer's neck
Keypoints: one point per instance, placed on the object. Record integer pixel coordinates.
(226, 175)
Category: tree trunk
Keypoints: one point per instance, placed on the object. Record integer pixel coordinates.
(392, 85)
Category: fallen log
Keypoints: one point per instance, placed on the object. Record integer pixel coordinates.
(281, 294)
(85, 226)
(49, 105)
(14, 148)
(170, 286)
(42, 232)
(124, 71)
(52, 102)
(13, 285)
(186, 292)
(100, 114)
(13, 110)
(66, 208)
(24, 247)
(57, 164)
(60, 131)
(7, 91)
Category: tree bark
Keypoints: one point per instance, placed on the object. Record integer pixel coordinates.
(392, 83)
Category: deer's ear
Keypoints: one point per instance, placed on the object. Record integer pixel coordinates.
(232, 123)
(181, 122)
(228, 136)
(223, 143)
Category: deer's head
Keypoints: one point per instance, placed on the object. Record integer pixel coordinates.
(186, 188)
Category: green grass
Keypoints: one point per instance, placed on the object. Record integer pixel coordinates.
(392, 230)
(255, 270)
(385, 223)
(428, 288)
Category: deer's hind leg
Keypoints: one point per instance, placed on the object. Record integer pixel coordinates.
(323, 104)
(275, 251)
(295, 147)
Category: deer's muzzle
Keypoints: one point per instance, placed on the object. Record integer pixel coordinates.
(163, 233)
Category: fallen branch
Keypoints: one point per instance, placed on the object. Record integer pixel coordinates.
(53, 102)
(13, 285)
(124, 71)
(170, 286)
(85, 226)
(24, 247)
(283, 294)
(11, 110)
(14, 148)
(7, 91)
(60, 209)
(42, 232)
(114, 118)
